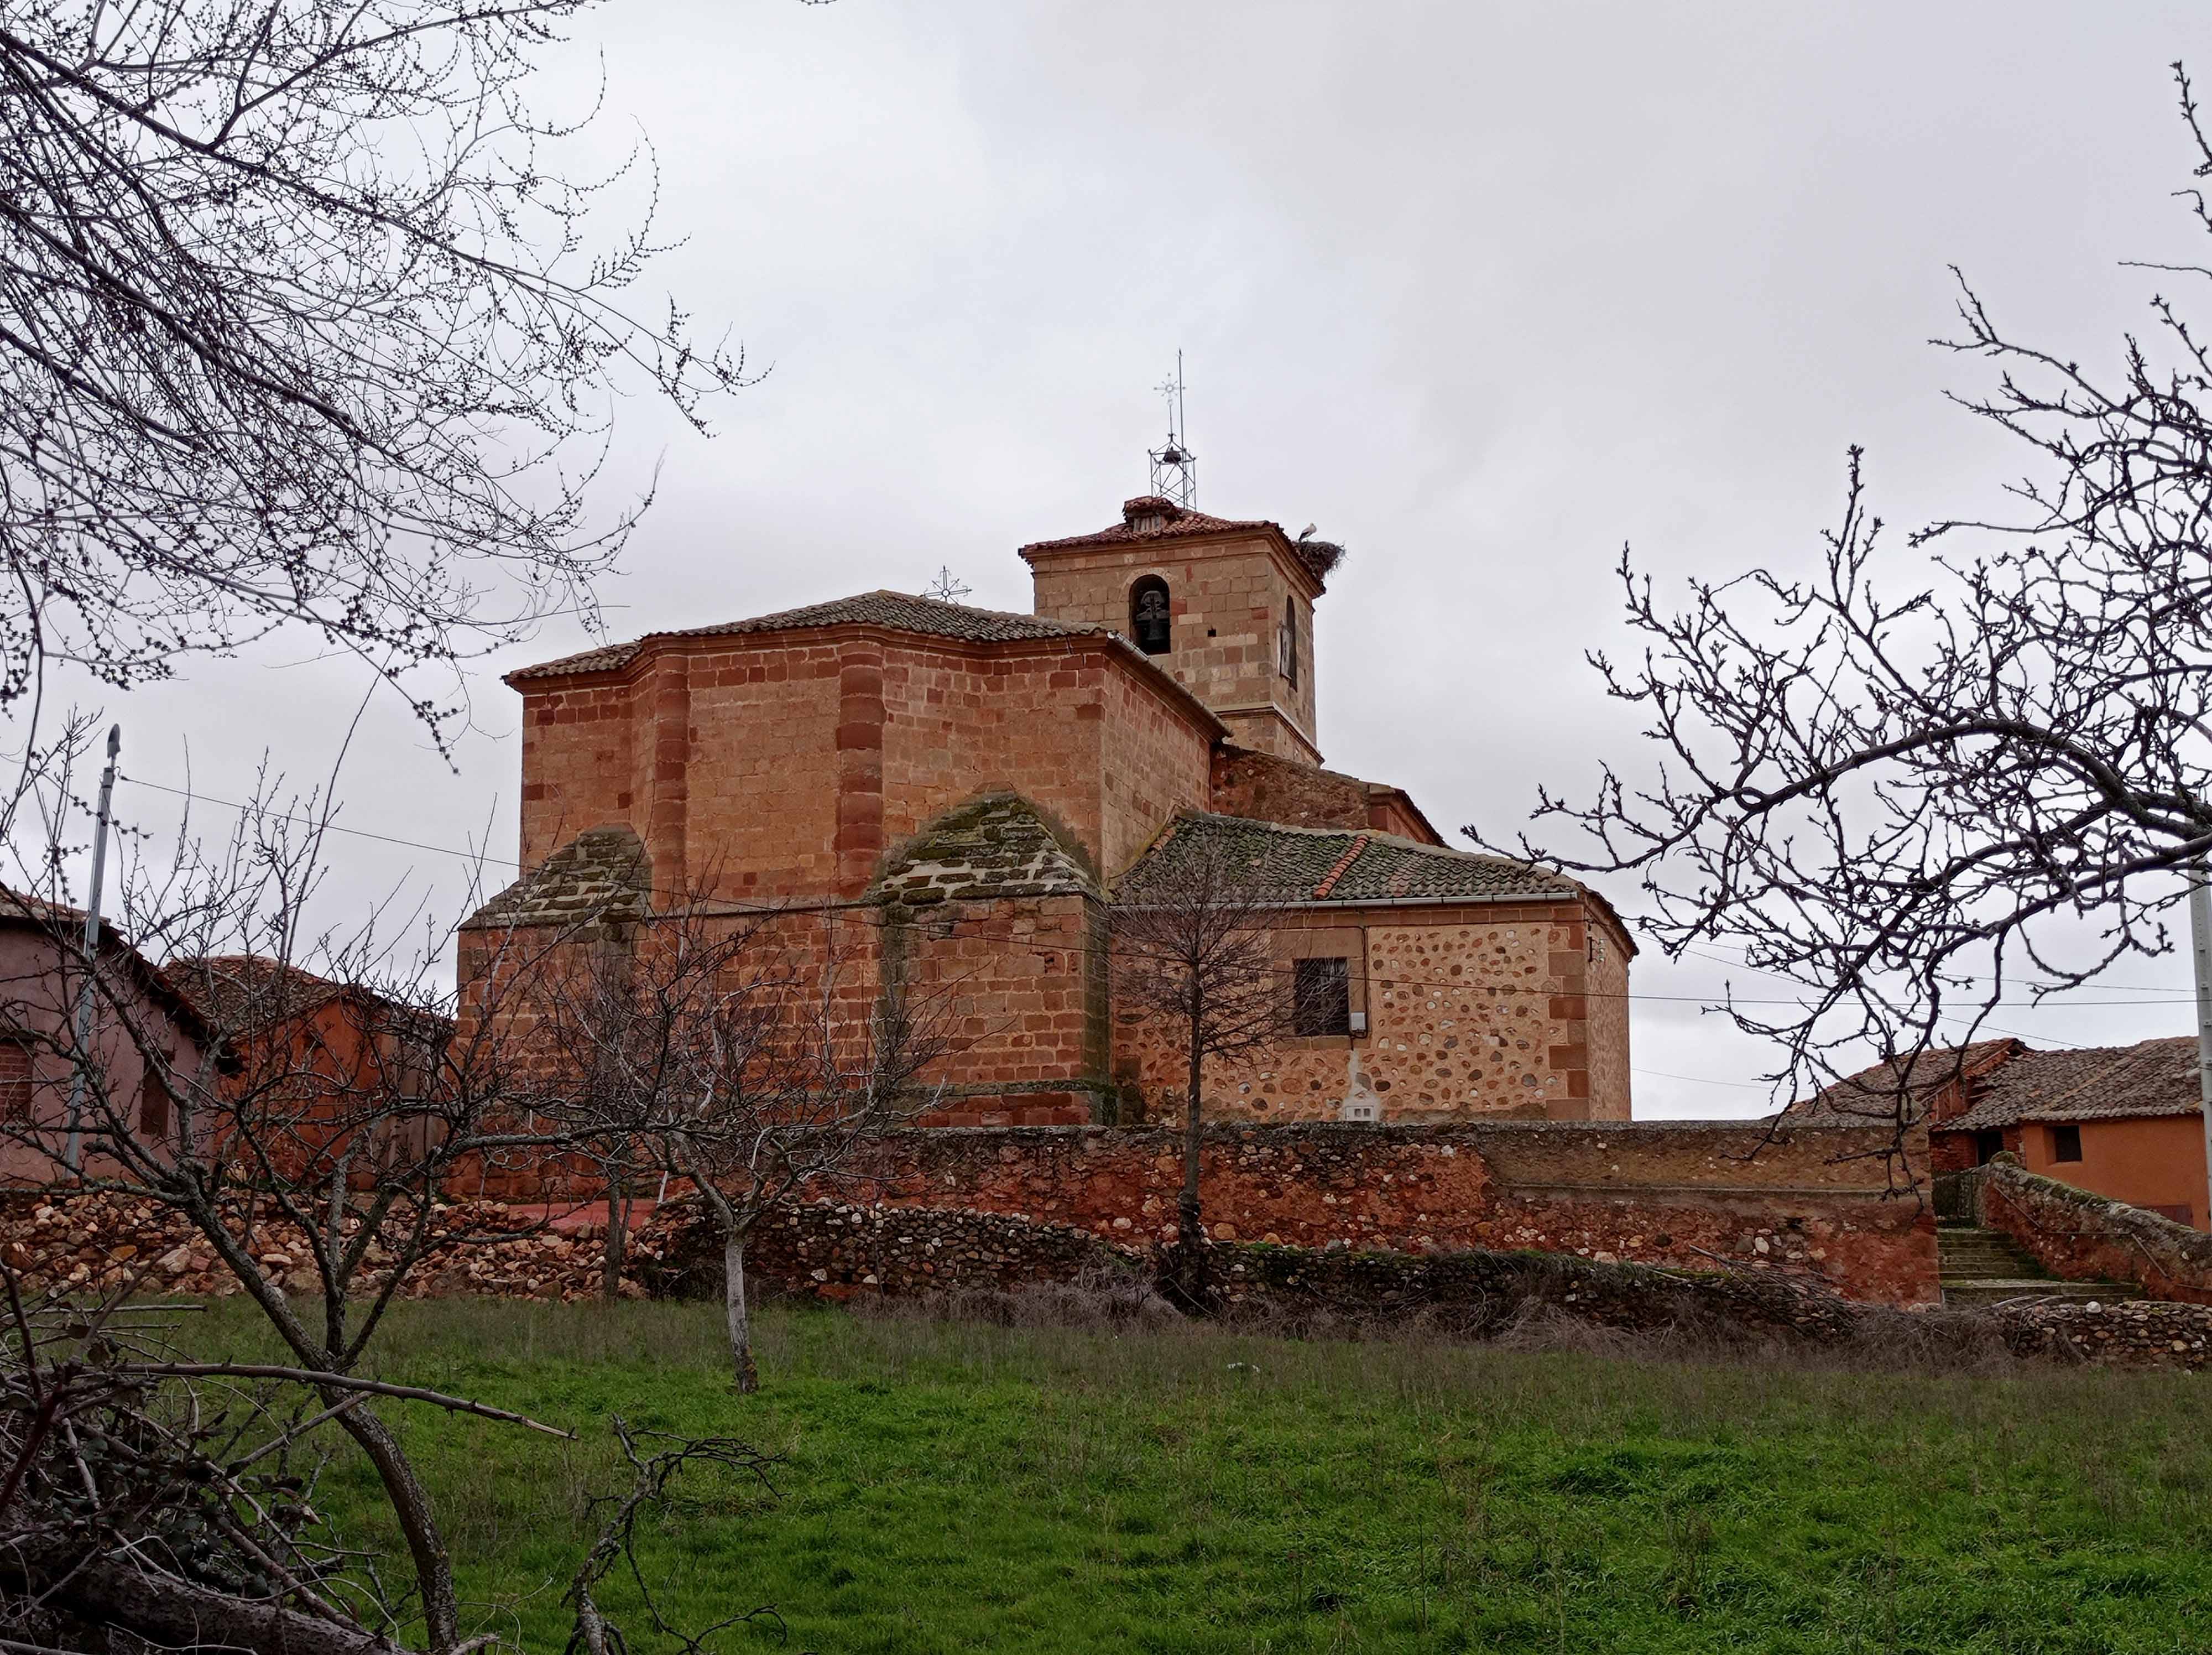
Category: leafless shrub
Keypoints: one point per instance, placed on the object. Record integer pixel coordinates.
(173, 1499)
(1100, 1299)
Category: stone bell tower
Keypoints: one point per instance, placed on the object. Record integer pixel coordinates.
(1226, 607)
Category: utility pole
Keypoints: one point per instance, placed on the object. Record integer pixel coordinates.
(2200, 939)
(73, 1150)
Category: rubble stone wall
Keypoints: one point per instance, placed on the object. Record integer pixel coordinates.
(2079, 1235)
(1489, 1009)
(1814, 1200)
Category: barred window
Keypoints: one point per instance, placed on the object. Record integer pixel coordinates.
(1322, 1003)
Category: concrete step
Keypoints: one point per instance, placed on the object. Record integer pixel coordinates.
(1996, 1290)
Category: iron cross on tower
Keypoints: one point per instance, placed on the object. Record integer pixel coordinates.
(1174, 468)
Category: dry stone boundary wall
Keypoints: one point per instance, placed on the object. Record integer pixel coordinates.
(2079, 1235)
(98, 1243)
(1692, 1195)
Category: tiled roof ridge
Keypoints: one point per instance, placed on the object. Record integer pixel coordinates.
(1394, 841)
(1345, 866)
(1181, 522)
(608, 656)
(21, 907)
(1353, 852)
(2093, 1082)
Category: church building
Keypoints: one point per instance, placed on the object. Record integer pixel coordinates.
(981, 786)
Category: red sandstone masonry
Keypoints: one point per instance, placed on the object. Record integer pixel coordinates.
(1814, 1198)
(783, 763)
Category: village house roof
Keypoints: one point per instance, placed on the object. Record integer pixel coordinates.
(1872, 1094)
(242, 993)
(1150, 518)
(2104, 1083)
(1297, 866)
(65, 925)
(2008, 1083)
(900, 611)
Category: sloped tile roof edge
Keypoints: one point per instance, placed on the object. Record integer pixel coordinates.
(1361, 839)
(609, 658)
(1181, 524)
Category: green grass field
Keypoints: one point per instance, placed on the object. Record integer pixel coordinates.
(955, 1487)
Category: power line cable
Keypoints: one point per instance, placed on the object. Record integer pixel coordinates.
(845, 912)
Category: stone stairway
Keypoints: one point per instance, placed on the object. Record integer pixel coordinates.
(1982, 1267)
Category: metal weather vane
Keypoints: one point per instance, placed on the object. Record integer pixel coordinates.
(1174, 468)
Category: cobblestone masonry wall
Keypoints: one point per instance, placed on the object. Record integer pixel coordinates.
(1651, 1193)
(2075, 1234)
(1472, 1011)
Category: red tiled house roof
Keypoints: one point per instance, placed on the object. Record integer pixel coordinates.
(2000, 1083)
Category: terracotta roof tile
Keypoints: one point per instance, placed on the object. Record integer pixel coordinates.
(1872, 1094)
(242, 993)
(1296, 865)
(898, 611)
(2008, 1083)
(997, 846)
(600, 880)
(2155, 1077)
(1148, 520)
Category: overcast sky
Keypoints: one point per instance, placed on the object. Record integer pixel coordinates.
(1484, 290)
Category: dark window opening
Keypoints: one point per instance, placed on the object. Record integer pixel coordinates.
(153, 1106)
(1322, 997)
(1287, 644)
(2065, 1143)
(1151, 623)
(1987, 1144)
(15, 1080)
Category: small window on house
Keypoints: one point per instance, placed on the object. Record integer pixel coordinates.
(153, 1106)
(1322, 997)
(1151, 624)
(1286, 643)
(2065, 1143)
(16, 1079)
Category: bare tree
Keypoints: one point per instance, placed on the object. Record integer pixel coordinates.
(1192, 945)
(302, 322)
(1916, 789)
(747, 1055)
(174, 1501)
(312, 1146)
